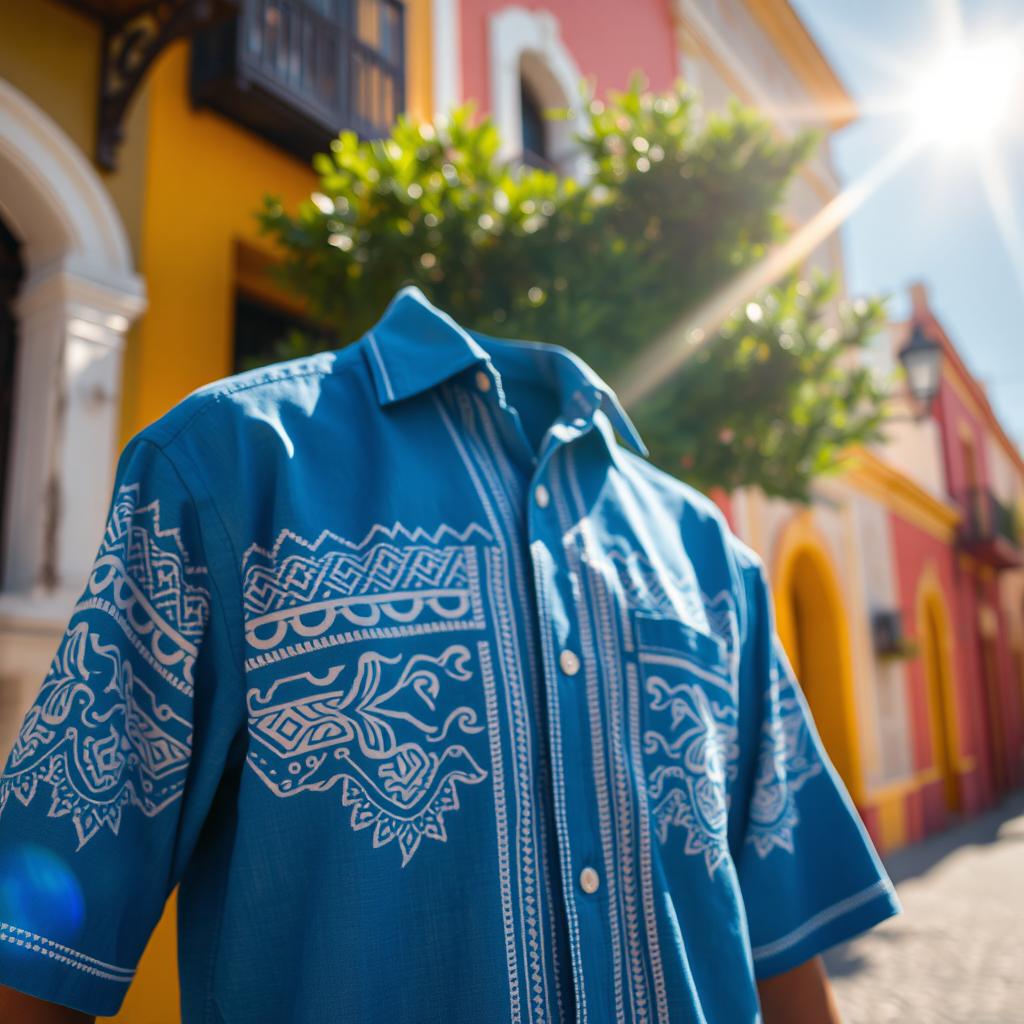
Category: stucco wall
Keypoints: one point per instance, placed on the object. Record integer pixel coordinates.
(891, 758)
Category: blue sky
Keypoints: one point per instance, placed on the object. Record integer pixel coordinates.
(933, 220)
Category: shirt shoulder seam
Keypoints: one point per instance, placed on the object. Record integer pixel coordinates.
(222, 526)
(211, 399)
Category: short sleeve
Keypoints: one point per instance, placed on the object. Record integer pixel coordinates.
(116, 761)
(809, 874)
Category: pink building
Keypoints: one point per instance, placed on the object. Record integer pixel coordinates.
(985, 479)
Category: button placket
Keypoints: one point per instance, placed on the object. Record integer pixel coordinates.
(582, 849)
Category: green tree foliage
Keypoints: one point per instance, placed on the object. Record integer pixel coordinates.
(669, 211)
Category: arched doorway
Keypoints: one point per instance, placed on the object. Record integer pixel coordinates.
(813, 628)
(933, 630)
(77, 295)
(815, 655)
(12, 270)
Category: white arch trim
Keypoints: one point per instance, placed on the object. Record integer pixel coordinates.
(515, 33)
(79, 296)
(49, 183)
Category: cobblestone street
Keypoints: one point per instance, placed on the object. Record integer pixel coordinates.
(956, 954)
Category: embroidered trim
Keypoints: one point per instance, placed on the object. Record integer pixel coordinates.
(624, 757)
(302, 596)
(495, 503)
(501, 824)
(384, 734)
(144, 571)
(787, 759)
(509, 499)
(102, 733)
(822, 918)
(646, 863)
(64, 954)
(692, 753)
(645, 588)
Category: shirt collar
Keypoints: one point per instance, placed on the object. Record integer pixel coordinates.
(415, 346)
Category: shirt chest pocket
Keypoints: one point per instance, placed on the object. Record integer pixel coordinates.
(688, 733)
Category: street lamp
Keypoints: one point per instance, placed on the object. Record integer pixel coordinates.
(922, 362)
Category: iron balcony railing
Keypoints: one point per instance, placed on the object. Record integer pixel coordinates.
(300, 71)
(987, 520)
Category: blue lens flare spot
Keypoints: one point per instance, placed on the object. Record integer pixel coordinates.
(40, 893)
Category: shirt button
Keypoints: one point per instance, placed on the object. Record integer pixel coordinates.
(483, 380)
(589, 880)
(569, 663)
(541, 496)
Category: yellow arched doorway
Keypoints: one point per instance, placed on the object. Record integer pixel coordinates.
(934, 634)
(812, 625)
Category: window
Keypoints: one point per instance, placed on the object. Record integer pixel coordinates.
(532, 70)
(535, 146)
(299, 71)
(261, 330)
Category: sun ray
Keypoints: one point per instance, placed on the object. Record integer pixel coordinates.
(668, 354)
(957, 99)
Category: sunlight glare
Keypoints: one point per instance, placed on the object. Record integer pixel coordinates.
(965, 97)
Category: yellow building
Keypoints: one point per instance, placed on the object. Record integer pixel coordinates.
(135, 149)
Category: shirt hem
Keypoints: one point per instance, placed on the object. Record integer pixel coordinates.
(837, 923)
(34, 969)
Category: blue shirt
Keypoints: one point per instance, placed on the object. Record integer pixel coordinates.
(440, 703)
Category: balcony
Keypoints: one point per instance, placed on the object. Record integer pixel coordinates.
(989, 530)
(297, 72)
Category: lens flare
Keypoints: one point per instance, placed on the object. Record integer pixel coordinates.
(966, 96)
(39, 893)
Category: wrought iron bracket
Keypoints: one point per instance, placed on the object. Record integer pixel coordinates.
(131, 43)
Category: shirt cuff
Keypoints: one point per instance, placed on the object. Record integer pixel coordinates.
(834, 924)
(57, 973)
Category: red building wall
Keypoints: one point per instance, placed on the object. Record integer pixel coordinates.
(996, 702)
(609, 40)
(916, 552)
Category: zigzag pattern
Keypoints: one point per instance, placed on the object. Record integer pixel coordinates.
(384, 570)
(157, 561)
(295, 573)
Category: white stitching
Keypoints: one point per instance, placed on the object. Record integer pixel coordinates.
(506, 654)
(496, 453)
(822, 918)
(380, 363)
(47, 947)
(501, 819)
(486, 454)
